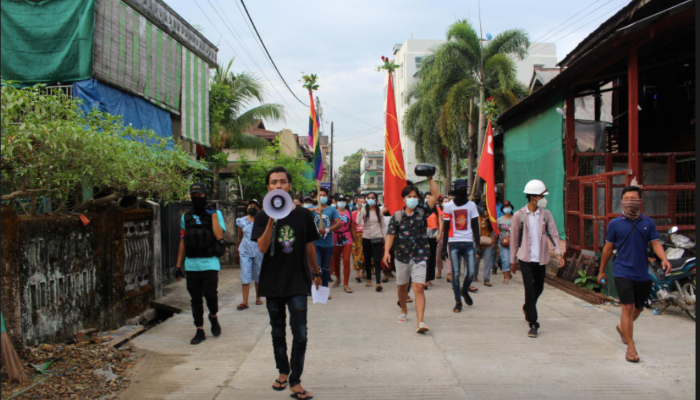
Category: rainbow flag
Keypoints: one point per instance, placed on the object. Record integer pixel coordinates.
(315, 140)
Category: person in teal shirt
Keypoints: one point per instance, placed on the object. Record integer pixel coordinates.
(327, 221)
(199, 232)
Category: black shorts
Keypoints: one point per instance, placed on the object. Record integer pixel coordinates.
(631, 291)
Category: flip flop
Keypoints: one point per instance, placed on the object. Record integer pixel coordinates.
(487, 283)
(379, 288)
(409, 300)
(634, 359)
(620, 332)
(422, 328)
(368, 284)
(259, 302)
(473, 289)
(303, 393)
(402, 319)
(280, 387)
(241, 307)
(359, 280)
(347, 290)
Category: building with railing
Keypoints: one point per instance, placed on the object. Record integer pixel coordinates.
(372, 171)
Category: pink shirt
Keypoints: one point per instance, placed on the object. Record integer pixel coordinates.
(524, 252)
(343, 236)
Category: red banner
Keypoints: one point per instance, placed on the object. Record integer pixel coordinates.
(487, 172)
(394, 171)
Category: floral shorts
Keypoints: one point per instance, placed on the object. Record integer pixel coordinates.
(250, 269)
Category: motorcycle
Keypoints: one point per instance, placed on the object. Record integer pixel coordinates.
(678, 287)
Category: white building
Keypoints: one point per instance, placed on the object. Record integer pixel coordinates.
(409, 55)
(372, 172)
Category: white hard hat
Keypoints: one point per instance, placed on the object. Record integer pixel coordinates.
(536, 187)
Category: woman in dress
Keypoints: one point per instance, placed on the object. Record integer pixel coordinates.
(249, 254)
(358, 257)
(342, 244)
(504, 239)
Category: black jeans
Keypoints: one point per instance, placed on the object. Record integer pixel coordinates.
(202, 283)
(372, 253)
(297, 321)
(533, 280)
(430, 273)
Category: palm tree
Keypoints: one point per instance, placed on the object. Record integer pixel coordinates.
(452, 77)
(232, 109)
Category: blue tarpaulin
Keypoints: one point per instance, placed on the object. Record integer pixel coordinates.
(134, 111)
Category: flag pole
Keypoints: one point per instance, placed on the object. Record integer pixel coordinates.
(481, 153)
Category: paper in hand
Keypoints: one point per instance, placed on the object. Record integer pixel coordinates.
(320, 295)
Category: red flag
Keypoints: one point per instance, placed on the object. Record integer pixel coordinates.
(394, 171)
(487, 173)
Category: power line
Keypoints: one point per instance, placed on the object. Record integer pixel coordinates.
(358, 136)
(247, 51)
(560, 30)
(356, 119)
(534, 41)
(268, 54)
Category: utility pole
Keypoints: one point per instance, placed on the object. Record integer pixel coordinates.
(331, 144)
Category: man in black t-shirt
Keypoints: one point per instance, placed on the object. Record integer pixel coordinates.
(285, 280)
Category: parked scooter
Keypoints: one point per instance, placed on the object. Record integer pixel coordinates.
(678, 287)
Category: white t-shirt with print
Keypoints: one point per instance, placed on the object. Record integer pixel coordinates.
(460, 218)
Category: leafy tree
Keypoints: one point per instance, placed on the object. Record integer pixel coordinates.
(450, 97)
(51, 149)
(253, 172)
(349, 181)
(231, 110)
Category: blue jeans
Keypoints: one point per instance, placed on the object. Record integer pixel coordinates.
(505, 258)
(458, 252)
(489, 258)
(323, 257)
(297, 306)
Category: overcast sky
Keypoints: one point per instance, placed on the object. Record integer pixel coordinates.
(343, 41)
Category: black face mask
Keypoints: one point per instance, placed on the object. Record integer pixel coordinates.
(199, 203)
(252, 211)
(460, 197)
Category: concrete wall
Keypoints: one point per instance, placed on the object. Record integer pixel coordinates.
(59, 276)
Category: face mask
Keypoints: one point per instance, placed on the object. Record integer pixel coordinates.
(352, 204)
(461, 194)
(364, 204)
(631, 208)
(333, 205)
(542, 203)
(341, 204)
(252, 211)
(323, 200)
(371, 202)
(507, 210)
(307, 205)
(412, 203)
(199, 203)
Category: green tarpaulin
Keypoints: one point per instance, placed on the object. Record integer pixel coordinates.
(48, 41)
(532, 148)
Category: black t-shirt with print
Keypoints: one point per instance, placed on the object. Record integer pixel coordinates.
(287, 272)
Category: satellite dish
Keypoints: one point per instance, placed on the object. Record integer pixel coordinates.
(488, 36)
(277, 204)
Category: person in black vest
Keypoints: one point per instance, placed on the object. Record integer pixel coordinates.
(199, 233)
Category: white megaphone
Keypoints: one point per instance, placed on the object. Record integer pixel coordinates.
(277, 204)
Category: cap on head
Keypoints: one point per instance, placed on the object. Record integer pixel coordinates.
(536, 187)
(253, 201)
(460, 183)
(507, 204)
(198, 188)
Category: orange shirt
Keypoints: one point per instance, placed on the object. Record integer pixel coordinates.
(432, 219)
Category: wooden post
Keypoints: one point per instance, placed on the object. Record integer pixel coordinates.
(570, 121)
(633, 118)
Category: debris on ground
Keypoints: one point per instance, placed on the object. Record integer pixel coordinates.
(84, 370)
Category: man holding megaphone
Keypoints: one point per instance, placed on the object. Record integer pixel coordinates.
(285, 235)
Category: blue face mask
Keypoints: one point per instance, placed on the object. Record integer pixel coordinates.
(364, 204)
(323, 200)
(412, 203)
(333, 205)
(342, 204)
(352, 204)
(507, 210)
(371, 202)
(308, 205)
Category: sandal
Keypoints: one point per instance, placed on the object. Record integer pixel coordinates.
(242, 307)
(505, 281)
(458, 308)
(280, 387)
(347, 289)
(487, 283)
(449, 278)
(473, 289)
(336, 284)
(422, 328)
(402, 319)
(385, 279)
(258, 302)
(368, 284)
(296, 395)
(430, 284)
(379, 288)
(409, 300)
(359, 280)
(476, 279)
(633, 359)
(620, 332)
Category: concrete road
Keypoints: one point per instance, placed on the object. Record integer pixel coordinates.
(357, 350)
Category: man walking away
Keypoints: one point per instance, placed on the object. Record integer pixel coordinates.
(630, 233)
(409, 229)
(199, 232)
(462, 235)
(285, 280)
(532, 229)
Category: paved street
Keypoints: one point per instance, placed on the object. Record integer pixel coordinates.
(357, 350)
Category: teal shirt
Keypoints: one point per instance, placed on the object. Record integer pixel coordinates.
(202, 264)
